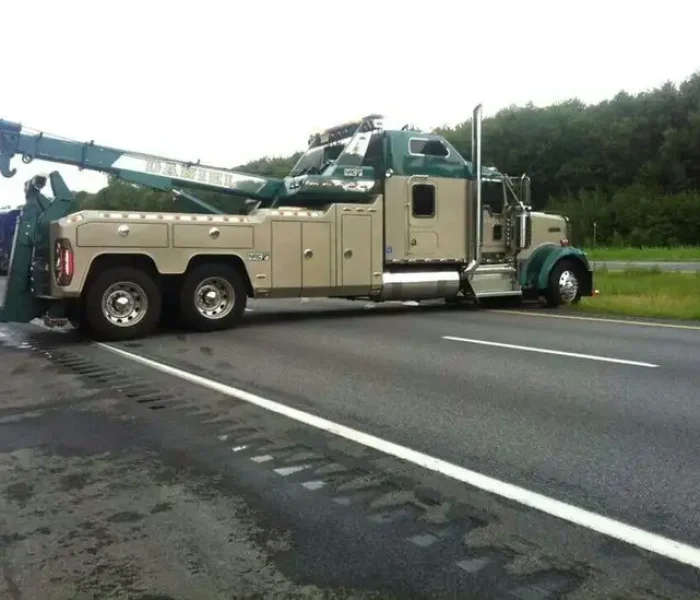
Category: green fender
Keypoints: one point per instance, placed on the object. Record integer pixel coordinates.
(536, 271)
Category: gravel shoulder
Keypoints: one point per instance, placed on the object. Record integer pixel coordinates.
(87, 513)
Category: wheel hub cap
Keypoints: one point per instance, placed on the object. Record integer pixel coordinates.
(568, 286)
(124, 304)
(214, 298)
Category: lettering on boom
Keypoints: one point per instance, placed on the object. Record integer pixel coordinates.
(198, 174)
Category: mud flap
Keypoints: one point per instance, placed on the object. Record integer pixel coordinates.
(30, 257)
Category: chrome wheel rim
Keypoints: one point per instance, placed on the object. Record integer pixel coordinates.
(568, 286)
(124, 304)
(214, 298)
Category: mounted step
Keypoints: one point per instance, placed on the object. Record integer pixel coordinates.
(495, 280)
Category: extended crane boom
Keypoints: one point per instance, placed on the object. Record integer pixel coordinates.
(153, 171)
(27, 282)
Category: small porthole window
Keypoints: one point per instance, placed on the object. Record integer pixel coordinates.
(423, 200)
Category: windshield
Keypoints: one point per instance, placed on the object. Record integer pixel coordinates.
(315, 159)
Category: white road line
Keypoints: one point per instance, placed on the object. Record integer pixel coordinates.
(423, 539)
(621, 361)
(314, 485)
(664, 546)
(261, 459)
(284, 471)
(598, 319)
(473, 565)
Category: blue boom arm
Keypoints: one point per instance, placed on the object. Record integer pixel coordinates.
(28, 281)
(153, 171)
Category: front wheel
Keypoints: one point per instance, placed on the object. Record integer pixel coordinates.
(122, 303)
(564, 284)
(213, 296)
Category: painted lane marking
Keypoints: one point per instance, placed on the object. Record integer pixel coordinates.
(473, 565)
(647, 540)
(314, 485)
(284, 471)
(621, 361)
(423, 540)
(598, 319)
(261, 459)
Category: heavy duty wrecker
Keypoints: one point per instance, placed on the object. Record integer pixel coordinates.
(366, 213)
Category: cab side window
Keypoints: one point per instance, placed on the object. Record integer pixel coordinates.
(423, 200)
(492, 197)
(427, 147)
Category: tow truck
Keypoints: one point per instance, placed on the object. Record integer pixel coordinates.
(366, 213)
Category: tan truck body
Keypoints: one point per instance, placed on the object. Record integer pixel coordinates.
(339, 250)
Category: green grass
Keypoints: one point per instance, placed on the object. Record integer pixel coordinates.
(676, 253)
(645, 293)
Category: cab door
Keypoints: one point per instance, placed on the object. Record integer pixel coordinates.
(422, 216)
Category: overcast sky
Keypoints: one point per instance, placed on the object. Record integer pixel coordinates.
(229, 82)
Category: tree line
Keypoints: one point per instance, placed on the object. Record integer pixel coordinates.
(627, 168)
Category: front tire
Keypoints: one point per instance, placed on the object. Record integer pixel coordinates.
(122, 303)
(564, 284)
(213, 297)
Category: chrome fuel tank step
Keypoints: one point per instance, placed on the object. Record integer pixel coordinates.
(419, 285)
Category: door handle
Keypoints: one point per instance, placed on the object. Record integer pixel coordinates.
(348, 253)
(308, 253)
(414, 242)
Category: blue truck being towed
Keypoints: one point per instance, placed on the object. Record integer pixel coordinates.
(8, 225)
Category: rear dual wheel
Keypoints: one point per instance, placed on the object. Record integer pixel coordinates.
(213, 296)
(126, 302)
(121, 303)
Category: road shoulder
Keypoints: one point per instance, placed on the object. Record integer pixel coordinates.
(89, 513)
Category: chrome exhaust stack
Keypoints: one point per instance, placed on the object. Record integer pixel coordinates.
(476, 192)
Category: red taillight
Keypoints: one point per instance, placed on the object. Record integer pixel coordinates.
(63, 262)
(564, 242)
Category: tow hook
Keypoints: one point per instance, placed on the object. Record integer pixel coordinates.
(54, 322)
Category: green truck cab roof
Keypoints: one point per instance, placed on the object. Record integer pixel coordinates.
(349, 161)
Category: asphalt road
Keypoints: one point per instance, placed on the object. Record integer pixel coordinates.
(98, 501)
(620, 265)
(600, 414)
(619, 439)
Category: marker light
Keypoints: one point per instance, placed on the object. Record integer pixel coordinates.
(63, 262)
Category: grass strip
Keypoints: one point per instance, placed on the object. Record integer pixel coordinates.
(660, 254)
(645, 293)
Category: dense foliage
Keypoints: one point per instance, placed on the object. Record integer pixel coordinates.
(630, 164)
